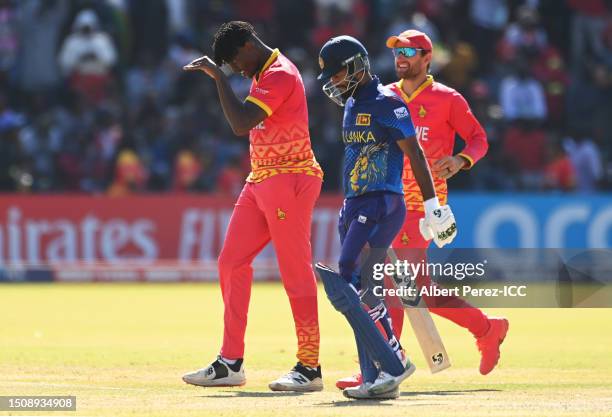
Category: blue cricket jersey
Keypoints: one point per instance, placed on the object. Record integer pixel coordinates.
(374, 120)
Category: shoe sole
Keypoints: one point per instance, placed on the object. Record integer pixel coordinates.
(206, 385)
(374, 397)
(286, 388)
(381, 389)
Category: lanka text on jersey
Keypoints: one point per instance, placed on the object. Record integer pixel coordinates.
(374, 119)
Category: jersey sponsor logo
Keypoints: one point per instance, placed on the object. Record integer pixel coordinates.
(261, 91)
(422, 112)
(363, 119)
(362, 219)
(401, 112)
(358, 136)
(422, 132)
(300, 379)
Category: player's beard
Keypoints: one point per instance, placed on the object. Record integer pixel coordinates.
(408, 73)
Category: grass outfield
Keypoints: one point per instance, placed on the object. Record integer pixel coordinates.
(122, 348)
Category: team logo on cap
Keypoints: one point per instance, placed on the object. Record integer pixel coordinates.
(321, 63)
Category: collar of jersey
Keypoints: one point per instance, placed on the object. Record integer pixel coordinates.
(370, 89)
(275, 54)
(428, 81)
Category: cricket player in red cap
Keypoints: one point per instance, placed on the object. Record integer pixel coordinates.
(438, 112)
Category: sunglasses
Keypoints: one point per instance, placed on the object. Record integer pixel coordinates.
(407, 52)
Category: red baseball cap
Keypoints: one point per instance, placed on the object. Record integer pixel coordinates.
(411, 39)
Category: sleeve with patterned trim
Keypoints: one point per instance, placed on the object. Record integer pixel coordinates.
(469, 129)
(272, 90)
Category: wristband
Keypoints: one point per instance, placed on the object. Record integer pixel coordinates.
(431, 204)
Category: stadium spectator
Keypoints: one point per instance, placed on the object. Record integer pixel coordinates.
(525, 36)
(10, 152)
(40, 25)
(130, 175)
(295, 21)
(231, 179)
(9, 38)
(488, 20)
(522, 96)
(150, 31)
(525, 143)
(458, 72)
(147, 80)
(559, 173)
(187, 170)
(586, 160)
(549, 69)
(87, 57)
(156, 109)
(178, 16)
(588, 22)
(334, 21)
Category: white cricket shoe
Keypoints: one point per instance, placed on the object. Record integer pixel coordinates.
(301, 379)
(218, 374)
(362, 392)
(386, 382)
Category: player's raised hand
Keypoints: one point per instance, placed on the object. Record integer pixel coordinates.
(448, 166)
(439, 225)
(205, 64)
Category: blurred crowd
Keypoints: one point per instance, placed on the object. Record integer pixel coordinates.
(93, 98)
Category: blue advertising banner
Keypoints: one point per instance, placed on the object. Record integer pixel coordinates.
(532, 220)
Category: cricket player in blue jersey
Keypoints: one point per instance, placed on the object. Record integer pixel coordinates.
(377, 131)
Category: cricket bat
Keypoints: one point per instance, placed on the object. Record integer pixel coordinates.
(422, 324)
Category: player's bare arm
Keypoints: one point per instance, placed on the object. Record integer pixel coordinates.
(242, 116)
(411, 147)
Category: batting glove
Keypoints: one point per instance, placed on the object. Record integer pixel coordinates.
(438, 224)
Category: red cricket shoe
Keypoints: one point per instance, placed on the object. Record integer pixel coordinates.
(349, 382)
(488, 345)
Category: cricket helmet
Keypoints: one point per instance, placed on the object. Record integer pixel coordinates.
(337, 53)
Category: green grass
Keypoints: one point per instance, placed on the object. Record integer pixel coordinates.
(122, 348)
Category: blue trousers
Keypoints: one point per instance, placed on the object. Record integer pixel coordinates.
(373, 218)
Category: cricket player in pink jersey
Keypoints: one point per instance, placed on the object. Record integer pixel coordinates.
(275, 205)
